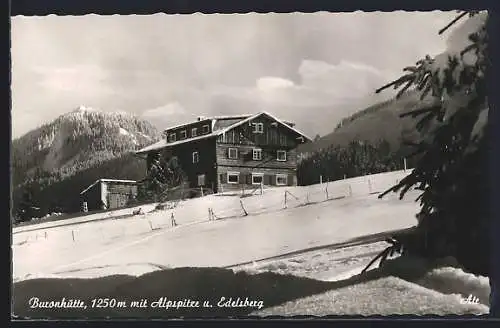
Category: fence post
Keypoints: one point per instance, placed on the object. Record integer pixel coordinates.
(201, 190)
(243, 208)
(73, 235)
(404, 162)
(320, 179)
(344, 176)
(285, 200)
(326, 191)
(261, 188)
(307, 198)
(150, 225)
(45, 234)
(172, 220)
(349, 190)
(209, 214)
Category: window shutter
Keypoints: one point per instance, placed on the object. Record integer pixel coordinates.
(267, 179)
(249, 178)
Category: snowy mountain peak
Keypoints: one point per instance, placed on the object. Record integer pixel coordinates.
(81, 138)
(83, 108)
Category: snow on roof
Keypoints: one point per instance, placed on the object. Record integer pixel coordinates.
(230, 117)
(271, 116)
(208, 118)
(117, 180)
(186, 124)
(157, 145)
(163, 143)
(107, 180)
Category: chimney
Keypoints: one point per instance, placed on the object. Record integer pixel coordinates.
(200, 118)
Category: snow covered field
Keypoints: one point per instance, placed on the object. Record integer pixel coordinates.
(140, 244)
(300, 241)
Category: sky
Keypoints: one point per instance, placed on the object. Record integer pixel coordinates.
(311, 69)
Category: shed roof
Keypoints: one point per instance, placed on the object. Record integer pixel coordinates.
(107, 180)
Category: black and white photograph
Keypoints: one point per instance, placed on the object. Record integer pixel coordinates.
(250, 165)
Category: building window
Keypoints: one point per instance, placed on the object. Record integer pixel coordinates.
(201, 180)
(171, 137)
(194, 132)
(258, 127)
(229, 137)
(196, 157)
(281, 155)
(273, 136)
(257, 178)
(257, 154)
(233, 177)
(281, 179)
(283, 140)
(183, 134)
(206, 128)
(232, 153)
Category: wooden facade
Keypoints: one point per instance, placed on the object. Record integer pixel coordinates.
(234, 152)
(109, 194)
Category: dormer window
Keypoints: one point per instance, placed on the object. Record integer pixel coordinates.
(258, 127)
(206, 128)
(194, 132)
(183, 134)
(171, 137)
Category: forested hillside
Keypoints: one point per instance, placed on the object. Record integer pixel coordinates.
(359, 157)
(52, 164)
(381, 121)
(373, 140)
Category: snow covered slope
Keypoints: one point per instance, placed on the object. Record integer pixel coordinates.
(268, 230)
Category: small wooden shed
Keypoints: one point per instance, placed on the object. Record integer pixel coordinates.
(108, 194)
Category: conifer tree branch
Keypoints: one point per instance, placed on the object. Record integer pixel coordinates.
(450, 24)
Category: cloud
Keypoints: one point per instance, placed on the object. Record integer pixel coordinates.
(325, 91)
(78, 79)
(295, 64)
(166, 115)
(166, 110)
(267, 83)
(347, 79)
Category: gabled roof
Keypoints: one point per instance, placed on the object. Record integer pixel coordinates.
(163, 143)
(271, 116)
(106, 180)
(242, 119)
